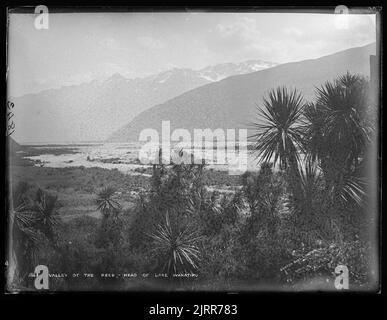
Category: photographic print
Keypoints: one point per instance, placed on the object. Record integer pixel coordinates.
(193, 150)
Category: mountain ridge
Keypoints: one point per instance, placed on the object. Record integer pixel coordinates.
(230, 103)
(93, 110)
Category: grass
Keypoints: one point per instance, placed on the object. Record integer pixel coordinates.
(76, 187)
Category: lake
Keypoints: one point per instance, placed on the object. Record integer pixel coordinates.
(121, 156)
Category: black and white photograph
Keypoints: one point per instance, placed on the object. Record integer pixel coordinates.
(193, 150)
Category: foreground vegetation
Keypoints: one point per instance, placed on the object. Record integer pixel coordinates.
(290, 224)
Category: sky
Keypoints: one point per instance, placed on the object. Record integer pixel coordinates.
(81, 47)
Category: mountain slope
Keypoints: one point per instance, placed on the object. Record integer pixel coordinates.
(92, 111)
(13, 146)
(231, 103)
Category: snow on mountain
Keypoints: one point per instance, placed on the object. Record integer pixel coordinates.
(232, 102)
(94, 110)
(224, 70)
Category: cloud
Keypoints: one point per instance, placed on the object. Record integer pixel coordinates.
(236, 36)
(293, 31)
(150, 42)
(110, 44)
(239, 40)
(245, 28)
(284, 38)
(334, 33)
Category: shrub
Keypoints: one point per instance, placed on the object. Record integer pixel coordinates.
(323, 261)
(176, 247)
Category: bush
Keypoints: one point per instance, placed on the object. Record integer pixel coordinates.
(323, 261)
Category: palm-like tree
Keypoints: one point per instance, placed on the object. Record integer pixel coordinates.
(45, 212)
(279, 135)
(343, 105)
(308, 214)
(25, 239)
(107, 201)
(176, 246)
(31, 222)
(337, 134)
(109, 233)
(313, 132)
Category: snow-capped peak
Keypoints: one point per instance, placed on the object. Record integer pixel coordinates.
(224, 70)
(208, 74)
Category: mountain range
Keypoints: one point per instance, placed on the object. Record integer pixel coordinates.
(92, 111)
(232, 102)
